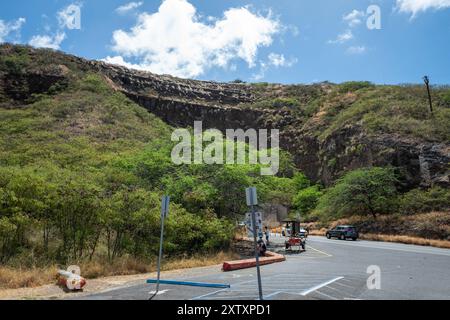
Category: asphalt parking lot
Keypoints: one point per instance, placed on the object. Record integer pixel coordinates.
(328, 270)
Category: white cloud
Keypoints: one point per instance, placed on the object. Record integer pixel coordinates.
(118, 60)
(45, 41)
(416, 6)
(68, 18)
(273, 60)
(263, 67)
(356, 50)
(174, 40)
(129, 7)
(354, 18)
(295, 31)
(279, 60)
(6, 28)
(343, 37)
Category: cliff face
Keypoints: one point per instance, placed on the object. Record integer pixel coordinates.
(226, 106)
(230, 106)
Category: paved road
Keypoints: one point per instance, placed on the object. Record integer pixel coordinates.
(328, 270)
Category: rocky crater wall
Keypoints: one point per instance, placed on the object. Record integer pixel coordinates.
(180, 102)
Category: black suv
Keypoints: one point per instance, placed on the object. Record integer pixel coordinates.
(343, 233)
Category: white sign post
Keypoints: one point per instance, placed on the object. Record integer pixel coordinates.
(164, 214)
(252, 201)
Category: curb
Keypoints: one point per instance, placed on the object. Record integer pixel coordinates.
(270, 258)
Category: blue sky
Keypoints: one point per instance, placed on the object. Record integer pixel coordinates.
(285, 41)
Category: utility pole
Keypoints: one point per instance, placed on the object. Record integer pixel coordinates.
(427, 83)
(252, 201)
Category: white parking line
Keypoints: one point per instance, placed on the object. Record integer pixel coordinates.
(272, 294)
(326, 295)
(306, 292)
(344, 285)
(334, 289)
(255, 296)
(208, 294)
(322, 252)
(158, 293)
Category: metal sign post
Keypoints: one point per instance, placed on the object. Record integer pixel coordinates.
(252, 201)
(164, 215)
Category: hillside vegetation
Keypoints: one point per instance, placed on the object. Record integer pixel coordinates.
(326, 108)
(83, 168)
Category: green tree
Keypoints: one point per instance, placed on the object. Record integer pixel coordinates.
(306, 200)
(301, 181)
(125, 221)
(191, 192)
(364, 191)
(231, 181)
(35, 196)
(76, 218)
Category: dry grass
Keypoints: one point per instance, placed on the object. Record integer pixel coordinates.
(428, 229)
(407, 240)
(200, 261)
(319, 232)
(26, 278)
(11, 278)
(393, 238)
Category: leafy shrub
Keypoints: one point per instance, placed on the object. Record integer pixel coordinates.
(14, 64)
(280, 103)
(189, 233)
(301, 181)
(306, 200)
(422, 201)
(93, 83)
(261, 84)
(353, 86)
(446, 97)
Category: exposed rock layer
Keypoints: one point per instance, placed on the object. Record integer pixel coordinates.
(223, 106)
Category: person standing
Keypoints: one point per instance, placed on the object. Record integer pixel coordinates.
(267, 234)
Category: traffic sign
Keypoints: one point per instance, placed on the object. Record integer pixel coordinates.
(252, 198)
(259, 223)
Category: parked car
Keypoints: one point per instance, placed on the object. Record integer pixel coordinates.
(343, 233)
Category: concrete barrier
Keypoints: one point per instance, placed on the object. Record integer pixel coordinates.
(269, 258)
